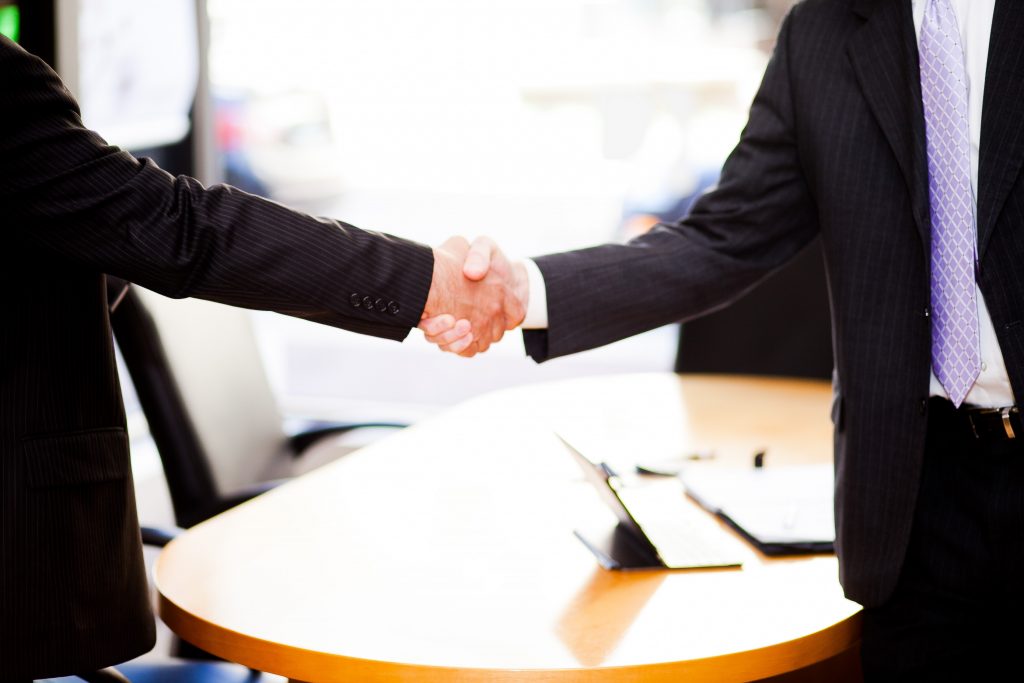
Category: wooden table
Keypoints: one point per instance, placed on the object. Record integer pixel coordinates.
(446, 553)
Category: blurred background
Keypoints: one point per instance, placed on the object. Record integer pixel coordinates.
(546, 124)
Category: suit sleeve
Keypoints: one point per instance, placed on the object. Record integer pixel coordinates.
(65, 191)
(760, 215)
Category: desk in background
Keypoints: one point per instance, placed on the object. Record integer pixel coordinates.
(445, 552)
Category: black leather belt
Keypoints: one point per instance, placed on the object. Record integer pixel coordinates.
(986, 424)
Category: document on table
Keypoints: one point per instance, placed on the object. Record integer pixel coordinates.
(782, 510)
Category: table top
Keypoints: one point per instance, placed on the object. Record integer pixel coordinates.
(446, 552)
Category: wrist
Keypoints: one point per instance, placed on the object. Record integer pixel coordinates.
(521, 286)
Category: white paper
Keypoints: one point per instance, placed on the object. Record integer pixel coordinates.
(773, 504)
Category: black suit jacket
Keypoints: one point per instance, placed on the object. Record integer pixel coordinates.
(834, 146)
(73, 593)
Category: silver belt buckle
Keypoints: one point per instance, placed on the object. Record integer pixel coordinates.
(1004, 416)
(1007, 425)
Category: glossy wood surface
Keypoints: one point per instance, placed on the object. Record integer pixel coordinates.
(446, 553)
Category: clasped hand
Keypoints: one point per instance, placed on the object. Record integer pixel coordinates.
(475, 296)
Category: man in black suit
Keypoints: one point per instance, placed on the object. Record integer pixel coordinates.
(73, 594)
(892, 129)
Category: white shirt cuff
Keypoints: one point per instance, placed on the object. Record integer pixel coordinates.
(537, 307)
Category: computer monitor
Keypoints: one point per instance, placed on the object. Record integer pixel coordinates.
(10, 20)
(134, 69)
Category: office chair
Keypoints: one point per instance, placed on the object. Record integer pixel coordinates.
(170, 672)
(212, 414)
(781, 328)
(164, 672)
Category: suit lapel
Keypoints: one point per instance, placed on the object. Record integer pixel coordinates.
(1002, 128)
(884, 57)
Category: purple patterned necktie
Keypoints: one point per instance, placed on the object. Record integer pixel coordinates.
(955, 345)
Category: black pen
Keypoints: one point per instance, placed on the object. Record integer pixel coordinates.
(759, 459)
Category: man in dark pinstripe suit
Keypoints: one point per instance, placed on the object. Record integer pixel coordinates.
(73, 594)
(892, 129)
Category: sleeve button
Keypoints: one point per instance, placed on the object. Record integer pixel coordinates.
(393, 308)
(355, 300)
(381, 305)
(367, 303)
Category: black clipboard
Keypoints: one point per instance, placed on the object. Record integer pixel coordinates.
(784, 510)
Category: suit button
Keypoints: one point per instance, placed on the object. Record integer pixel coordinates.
(924, 406)
(393, 308)
(367, 303)
(381, 305)
(355, 300)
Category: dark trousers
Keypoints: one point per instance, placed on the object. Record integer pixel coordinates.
(957, 613)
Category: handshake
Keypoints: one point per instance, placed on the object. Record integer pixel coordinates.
(476, 294)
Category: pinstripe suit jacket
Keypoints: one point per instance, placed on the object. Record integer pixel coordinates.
(73, 593)
(834, 146)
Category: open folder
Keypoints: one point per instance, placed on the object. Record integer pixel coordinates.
(782, 510)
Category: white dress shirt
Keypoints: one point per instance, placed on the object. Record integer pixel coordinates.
(537, 306)
(992, 387)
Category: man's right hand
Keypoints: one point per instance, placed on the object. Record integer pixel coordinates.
(475, 296)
